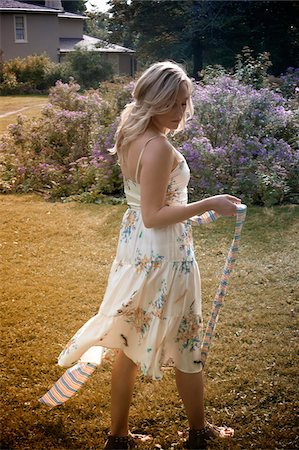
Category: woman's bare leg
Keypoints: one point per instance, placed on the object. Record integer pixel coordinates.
(123, 379)
(191, 390)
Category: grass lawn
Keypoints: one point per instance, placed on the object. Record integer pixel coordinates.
(56, 260)
(10, 107)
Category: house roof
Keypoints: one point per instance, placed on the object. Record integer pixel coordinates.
(15, 6)
(91, 44)
(66, 44)
(69, 15)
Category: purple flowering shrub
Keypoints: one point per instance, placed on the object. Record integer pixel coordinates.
(241, 140)
(64, 152)
(227, 108)
(97, 172)
(117, 93)
(289, 86)
(263, 172)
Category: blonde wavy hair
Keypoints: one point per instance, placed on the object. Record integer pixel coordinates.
(155, 93)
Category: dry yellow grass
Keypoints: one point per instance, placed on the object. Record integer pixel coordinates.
(12, 106)
(55, 264)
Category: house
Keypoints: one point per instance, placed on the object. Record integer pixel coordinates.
(27, 29)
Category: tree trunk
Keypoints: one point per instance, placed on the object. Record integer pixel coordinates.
(197, 54)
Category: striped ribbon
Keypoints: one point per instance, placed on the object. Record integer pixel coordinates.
(221, 291)
(75, 377)
(205, 218)
(67, 385)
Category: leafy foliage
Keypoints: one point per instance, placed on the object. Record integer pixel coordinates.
(65, 151)
(32, 74)
(201, 33)
(74, 6)
(250, 70)
(37, 73)
(241, 140)
(97, 25)
(89, 68)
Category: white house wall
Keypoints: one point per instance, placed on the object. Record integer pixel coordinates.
(42, 36)
(126, 64)
(70, 28)
(113, 58)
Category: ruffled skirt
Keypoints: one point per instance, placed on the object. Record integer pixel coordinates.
(152, 305)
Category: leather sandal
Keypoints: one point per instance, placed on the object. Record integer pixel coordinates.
(199, 439)
(117, 443)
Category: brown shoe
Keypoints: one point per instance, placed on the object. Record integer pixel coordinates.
(117, 443)
(199, 439)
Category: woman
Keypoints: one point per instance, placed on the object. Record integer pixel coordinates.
(151, 311)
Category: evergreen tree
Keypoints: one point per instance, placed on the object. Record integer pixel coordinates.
(121, 24)
(207, 32)
(74, 6)
(97, 25)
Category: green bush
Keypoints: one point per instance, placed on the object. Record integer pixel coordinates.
(88, 68)
(37, 73)
(248, 69)
(26, 75)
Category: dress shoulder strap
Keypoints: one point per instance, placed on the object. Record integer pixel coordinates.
(141, 153)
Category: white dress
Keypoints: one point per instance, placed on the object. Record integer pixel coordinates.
(152, 306)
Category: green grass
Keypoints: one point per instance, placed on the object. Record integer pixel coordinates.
(11, 104)
(56, 260)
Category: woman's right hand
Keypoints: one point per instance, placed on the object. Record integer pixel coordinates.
(225, 204)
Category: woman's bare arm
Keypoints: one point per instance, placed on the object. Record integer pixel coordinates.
(156, 165)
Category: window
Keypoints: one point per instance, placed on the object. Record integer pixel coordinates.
(20, 29)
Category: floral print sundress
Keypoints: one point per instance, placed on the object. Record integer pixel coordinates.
(152, 305)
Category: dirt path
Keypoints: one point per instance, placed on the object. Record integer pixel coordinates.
(19, 110)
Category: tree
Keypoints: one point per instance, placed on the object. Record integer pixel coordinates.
(264, 26)
(273, 26)
(88, 68)
(121, 24)
(74, 6)
(207, 32)
(173, 29)
(97, 25)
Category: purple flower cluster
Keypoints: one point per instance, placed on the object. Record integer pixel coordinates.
(290, 83)
(64, 152)
(238, 168)
(240, 140)
(227, 108)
